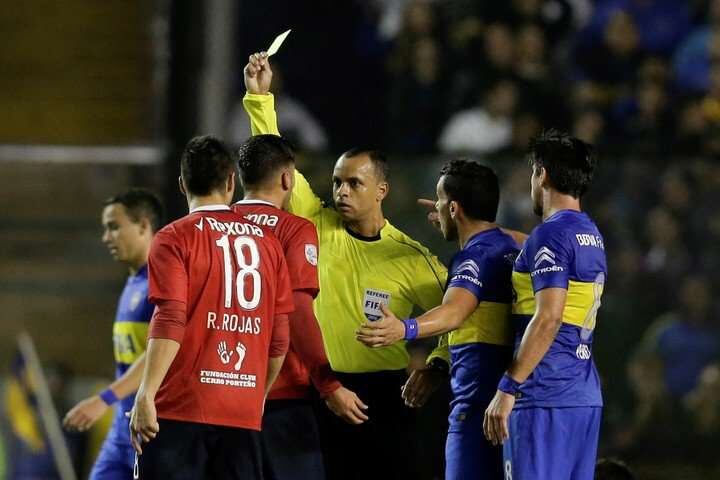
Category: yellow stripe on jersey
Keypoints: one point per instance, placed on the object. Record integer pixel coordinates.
(524, 303)
(129, 340)
(581, 304)
(489, 323)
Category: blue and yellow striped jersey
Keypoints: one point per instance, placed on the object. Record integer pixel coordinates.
(481, 349)
(566, 251)
(129, 341)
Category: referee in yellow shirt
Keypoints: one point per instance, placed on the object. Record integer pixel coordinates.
(364, 262)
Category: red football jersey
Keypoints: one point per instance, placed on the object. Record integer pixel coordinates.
(299, 240)
(232, 276)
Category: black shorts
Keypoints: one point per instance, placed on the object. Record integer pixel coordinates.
(185, 451)
(291, 442)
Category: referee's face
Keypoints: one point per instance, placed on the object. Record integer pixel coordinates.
(357, 191)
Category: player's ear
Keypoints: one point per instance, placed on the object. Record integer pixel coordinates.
(286, 180)
(145, 225)
(230, 183)
(543, 177)
(181, 185)
(383, 190)
(453, 206)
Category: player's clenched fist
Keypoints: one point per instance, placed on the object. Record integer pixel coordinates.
(258, 74)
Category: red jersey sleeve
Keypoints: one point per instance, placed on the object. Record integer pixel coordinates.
(283, 297)
(167, 272)
(302, 257)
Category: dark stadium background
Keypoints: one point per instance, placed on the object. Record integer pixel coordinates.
(98, 96)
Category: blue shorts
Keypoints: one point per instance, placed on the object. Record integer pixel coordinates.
(114, 462)
(468, 454)
(552, 443)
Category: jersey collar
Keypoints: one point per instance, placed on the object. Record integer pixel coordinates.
(210, 208)
(254, 202)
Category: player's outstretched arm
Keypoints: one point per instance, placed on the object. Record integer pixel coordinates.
(84, 415)
(458, 304)
(143, 420)
(536, 341)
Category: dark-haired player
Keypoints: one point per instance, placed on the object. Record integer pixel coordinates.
(290, 440)
(218, 335)
(475, 311)
(129, 220)
(558, 280)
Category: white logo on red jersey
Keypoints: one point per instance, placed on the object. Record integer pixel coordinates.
(311, 254)
(199, 226)
(225, 354)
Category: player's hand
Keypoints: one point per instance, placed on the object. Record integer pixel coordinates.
(347, 405)
(143, 421)
(83, 415)
(420, 385)
(495, 422)
(432, 216)
(383, 332)
(258, 74)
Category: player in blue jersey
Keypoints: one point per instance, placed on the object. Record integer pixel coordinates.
(475, 311)
(129, 221)
(548, 404)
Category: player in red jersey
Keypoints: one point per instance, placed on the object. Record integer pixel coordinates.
(219, 333)
(290, 442)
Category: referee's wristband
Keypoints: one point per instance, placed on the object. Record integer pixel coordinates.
(108, 396)
(510, 386)
(411, 329)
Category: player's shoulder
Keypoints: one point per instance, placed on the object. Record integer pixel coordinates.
(402, 241)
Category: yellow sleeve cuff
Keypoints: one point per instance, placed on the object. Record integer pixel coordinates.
(442, 351)
(261, 110)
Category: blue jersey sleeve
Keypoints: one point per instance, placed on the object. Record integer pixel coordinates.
(549, 257)
(467, 272)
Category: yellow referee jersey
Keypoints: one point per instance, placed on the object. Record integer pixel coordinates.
(357, 275)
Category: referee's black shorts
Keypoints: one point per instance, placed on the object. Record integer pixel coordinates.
(190, 451)
(383, 447)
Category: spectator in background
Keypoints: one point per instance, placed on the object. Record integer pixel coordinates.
(666, 254)
(693, 58)
(485, 128)
(661, 24)
(419, 21)
(416, 105)
(676, 366)
(589, 126)
(644, 120)
(299, 124)
(612, 63)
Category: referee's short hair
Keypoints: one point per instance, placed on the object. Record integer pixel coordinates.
(377, 157)
(475, 187)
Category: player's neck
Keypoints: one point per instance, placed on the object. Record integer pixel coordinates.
(214, 198)
(468, 229)
(556, 201)
(369, 226)
(266, 196)
(135, 265)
